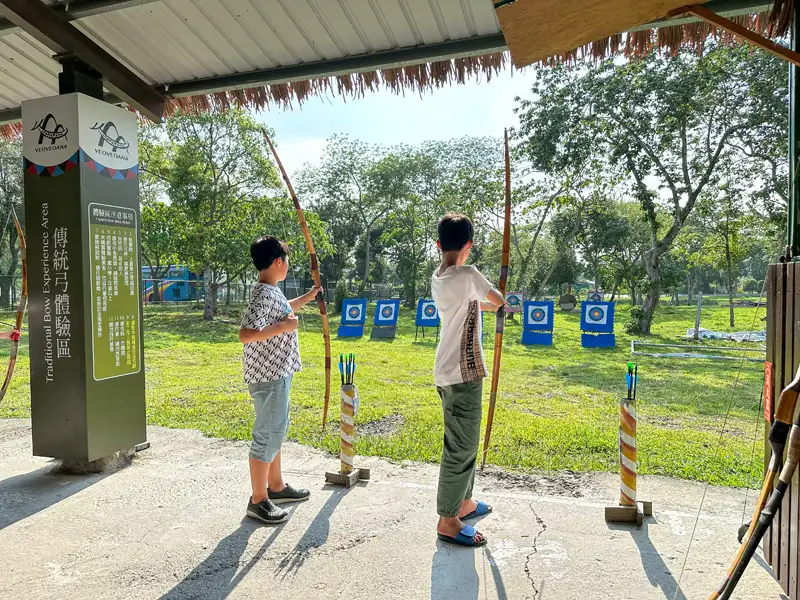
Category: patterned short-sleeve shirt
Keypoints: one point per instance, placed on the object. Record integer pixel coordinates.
(278, 356)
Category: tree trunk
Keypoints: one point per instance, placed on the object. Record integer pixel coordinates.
(228, 292)
(689, 287)
(730, 279)
(632, 286)
(7, 283)
(210, 304)
(650, 302)
(365, 281)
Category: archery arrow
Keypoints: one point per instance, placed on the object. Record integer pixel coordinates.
(769, 501)
(314, 275)
(23, 302)
(501, 314)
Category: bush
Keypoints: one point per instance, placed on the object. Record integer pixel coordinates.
(339, 294)
(632, 326)
(751, 285)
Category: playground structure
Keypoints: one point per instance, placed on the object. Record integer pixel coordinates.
(178, 284)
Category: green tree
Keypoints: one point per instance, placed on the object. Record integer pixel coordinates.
(10, 196)
(663, 125)
(339, 190)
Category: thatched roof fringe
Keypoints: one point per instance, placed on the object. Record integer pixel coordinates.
(423, 77)
(780, 18)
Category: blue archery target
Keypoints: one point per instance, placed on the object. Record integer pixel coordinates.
(597, 317)
(427, 314)
(354, 311)
(595, 296)
(538, 315)
(386, 312)
(514, 301)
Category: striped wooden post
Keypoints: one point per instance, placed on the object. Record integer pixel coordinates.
(627, 452)
(347, 429)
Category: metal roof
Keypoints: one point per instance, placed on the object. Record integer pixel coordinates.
(195, 42)
(192, 47)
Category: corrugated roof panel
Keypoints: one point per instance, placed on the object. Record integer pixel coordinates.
(486, 22)
(306, 20)
(256, 30)
(182, 41)
(205, 57)
(362, 19)
(339, 26)
(183, 65)
(286, 31)
(206, 32)
(456, 15)
(41, 70)
(119, 42)
(394, 20)
(429, 23)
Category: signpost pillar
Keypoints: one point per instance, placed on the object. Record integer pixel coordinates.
(85, 319)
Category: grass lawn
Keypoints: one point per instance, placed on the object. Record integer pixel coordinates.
(557, 407)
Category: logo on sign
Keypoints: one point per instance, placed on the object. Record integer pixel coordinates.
(111, 137)
(50, 129)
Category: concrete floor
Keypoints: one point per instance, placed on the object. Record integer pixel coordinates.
(171, 527)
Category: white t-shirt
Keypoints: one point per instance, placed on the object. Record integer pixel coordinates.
(458, 293)
(279, 356)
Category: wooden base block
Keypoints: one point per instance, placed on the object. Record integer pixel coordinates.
(629, 514)
(347, 480)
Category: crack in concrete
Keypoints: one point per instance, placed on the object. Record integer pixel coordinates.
(543, 527)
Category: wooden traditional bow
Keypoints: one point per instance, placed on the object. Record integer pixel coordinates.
(314, 275)
(15, 334)
(501, 314)
(769, 500)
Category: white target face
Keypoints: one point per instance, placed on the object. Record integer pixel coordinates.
(596, 314)
(429, 310)
(354, 312)
(538, 314)
(387, 312)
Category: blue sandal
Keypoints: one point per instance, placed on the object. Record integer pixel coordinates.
(466, 537)
(481, 510)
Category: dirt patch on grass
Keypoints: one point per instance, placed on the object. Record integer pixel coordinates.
(384, 427)
(561, 483)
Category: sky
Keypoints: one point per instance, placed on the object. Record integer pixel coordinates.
(477, 108)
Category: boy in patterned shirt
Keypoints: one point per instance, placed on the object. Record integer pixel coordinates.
(271, 357)
(461, 292)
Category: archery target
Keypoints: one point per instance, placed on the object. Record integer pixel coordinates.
(595, 296)
(537, 314)
(387, 312)
(514, 301)
(427, 314)
(354, 311)
(596, 314)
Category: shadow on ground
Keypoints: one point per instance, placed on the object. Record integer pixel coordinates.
(22, 496)
(219, 574)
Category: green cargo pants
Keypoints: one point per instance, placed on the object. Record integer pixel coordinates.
(461, 405)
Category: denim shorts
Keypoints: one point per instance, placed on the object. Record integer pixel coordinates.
(271, 401)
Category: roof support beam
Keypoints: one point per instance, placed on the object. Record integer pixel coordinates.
(78, 9)
(57, 33)
(701, 12)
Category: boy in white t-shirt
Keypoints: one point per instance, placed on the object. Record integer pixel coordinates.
(460, 293)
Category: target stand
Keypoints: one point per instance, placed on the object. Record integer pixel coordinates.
(354, 317)
(537, 323)
(385, 324)
(597, 325)
(427, 316)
